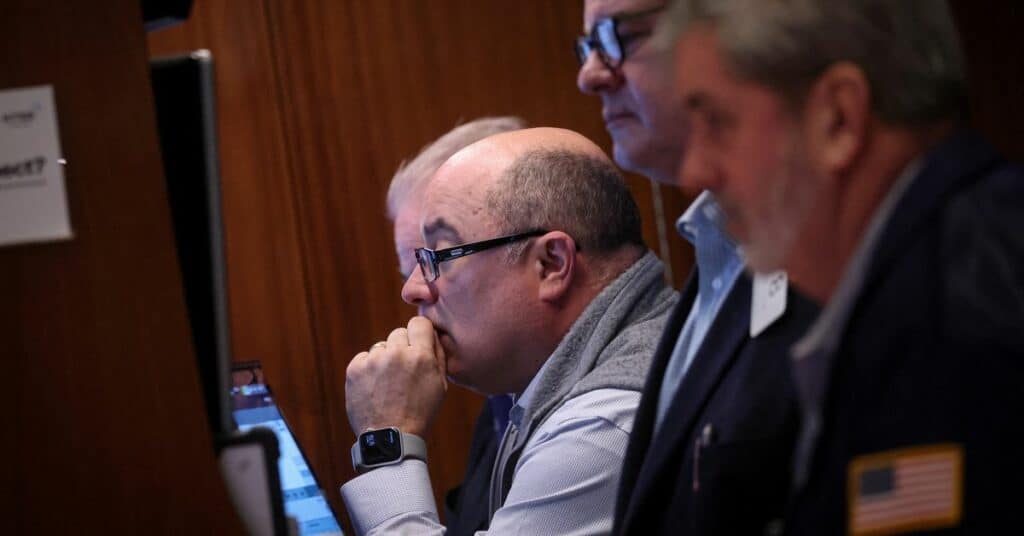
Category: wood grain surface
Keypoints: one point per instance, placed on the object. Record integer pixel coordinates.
(104, 429)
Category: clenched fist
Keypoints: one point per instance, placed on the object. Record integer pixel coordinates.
(397, 383)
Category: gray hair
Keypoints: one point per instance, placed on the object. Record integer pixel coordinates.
(413, 174)
(909, 50)
(557, 189)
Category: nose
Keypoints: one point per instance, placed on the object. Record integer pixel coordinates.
(416, 290)
(595, 77)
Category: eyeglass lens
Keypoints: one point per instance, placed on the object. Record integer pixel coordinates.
(428, 267)
(604, 40)
(609, 40)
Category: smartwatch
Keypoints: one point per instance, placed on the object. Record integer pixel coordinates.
(386, 446)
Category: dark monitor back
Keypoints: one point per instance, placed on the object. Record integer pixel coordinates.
(184, 96)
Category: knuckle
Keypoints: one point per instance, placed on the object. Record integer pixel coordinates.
(416, 354)
(357, 365)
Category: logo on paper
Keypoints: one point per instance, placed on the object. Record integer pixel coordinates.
(21, 118)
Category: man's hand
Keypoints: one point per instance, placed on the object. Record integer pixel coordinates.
(398, 383)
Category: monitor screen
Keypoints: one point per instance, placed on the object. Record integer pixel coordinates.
(253, 405)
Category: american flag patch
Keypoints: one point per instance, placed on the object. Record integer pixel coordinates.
(904, 490)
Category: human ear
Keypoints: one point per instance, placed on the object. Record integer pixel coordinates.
(556, 262)
(837, 115)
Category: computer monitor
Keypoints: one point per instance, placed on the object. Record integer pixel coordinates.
(183, 93)
(254, 408)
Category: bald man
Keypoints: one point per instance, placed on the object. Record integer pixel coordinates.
(535, 282)
(466, 510)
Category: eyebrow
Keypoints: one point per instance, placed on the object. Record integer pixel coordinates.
(629, 15)
(613, 15)
(440, 226)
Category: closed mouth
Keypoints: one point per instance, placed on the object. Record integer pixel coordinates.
(441, 332)
(610, 117)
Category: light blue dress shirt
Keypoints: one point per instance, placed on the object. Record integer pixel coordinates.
(719, 264)
(565, 482)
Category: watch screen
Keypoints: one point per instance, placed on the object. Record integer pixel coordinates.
(380, 446)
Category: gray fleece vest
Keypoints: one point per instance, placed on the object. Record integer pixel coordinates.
(610, 346)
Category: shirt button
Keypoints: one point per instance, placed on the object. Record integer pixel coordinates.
(716, 283)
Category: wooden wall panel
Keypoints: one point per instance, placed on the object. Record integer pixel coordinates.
(105, 429)
(991, 38)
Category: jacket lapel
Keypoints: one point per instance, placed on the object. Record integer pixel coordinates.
(714, 357)
(643, 423)
(717, 352)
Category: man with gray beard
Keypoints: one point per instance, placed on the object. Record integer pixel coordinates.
(831, 133)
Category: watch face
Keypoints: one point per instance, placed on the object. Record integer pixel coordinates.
(380, 446)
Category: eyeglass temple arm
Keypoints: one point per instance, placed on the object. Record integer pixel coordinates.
(462, 251)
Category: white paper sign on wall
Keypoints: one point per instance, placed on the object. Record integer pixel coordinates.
(33, 203)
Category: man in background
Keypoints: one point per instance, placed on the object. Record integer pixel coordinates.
(466, 505)
(712, 443)
(535, 281)
(831, 134)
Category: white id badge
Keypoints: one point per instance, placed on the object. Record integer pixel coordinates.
(769, 300)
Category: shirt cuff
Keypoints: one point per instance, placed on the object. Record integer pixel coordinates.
(388, 492)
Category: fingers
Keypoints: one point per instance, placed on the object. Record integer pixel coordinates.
(397, 383)
(421, 332)
(442, 360)
(398, 338)
(422, 335)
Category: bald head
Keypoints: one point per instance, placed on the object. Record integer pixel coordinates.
(550, 138)
(491, 156)
(543, 178)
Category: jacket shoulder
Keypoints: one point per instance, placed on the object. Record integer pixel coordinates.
(982, 259)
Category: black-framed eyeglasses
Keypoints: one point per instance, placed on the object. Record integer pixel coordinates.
(430, 259)
(604, 39)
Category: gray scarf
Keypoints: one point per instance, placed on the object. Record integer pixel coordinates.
(609, 346)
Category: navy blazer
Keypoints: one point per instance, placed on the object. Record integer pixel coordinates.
(721, 461)
(933, 352)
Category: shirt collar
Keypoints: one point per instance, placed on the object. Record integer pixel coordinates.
(716, 254)
(825, 333)
(703, 213)
(522, 401)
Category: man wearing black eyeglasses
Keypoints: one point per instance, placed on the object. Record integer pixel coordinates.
(647, 130)
(714, 435)
(534, 280)
(465, 507)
